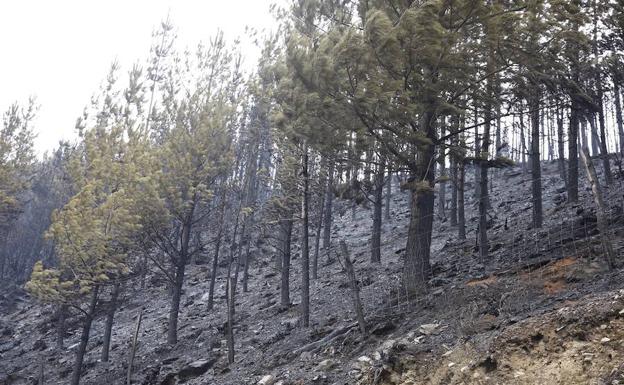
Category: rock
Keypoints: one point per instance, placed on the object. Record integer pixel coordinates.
(267, 380)
(40, 345)
(428, 329)
(383, 328)
(196, 368)
(604, 340)
(326, 365)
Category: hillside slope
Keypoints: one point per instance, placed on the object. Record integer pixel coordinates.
(542, 309)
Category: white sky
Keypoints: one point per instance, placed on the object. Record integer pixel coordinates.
(61, 50)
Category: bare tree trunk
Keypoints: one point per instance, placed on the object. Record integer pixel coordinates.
(134, 347)
(213, 273)
(560, 148)
(573, 152)
(461, 216)
(523, 150)
(355, 290)
(305, 249)
(388, 194)
(594, 135)
(604, 151)
(230, 294)
(442, 184)
(180, 267)
(618, 114)
(285, 272)
(110, 316)
(319, 225)
(61, 326)
(172, 331)
(600, 209)
(417, 267)
(84, 337)
(453, 191)
(329, 198)
(377, 214)
(536, 171)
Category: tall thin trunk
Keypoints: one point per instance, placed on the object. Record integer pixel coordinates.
(110, 316)
(377, 214)
(329, 198)
(84, 337)
(483, 182)
(522, 148)
(536, 171)
(604, 151)
(305, 249)
(285, 272)
(230, 295)
(180, 267)
(213, 272)
(453, 191)
(461, 216)
(618, 114)
(317, 238)
(573, 129)
(388, 194)
(603, 227)
(442, 184)
(561, 148)
(61, 326)
(595, 146)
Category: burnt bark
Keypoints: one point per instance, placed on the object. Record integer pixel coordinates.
(305, 249)
(84, 337)
(110, 317)
(377, 214)
(329, 199)
(536, 170)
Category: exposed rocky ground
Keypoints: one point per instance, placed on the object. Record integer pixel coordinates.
(542, 309)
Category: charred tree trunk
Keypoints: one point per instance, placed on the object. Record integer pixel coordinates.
(230, 295)
(453, 191)
(536, 170)
(61, 326)
(285, 272)
(461, 216)
(600, 209)
(573, 194)
(329, 198)
(377, 214)
(417, 267)
(561, 149)
(594, 135)
(305, 249)
(388, 194)
(355, 290)
(84, 337)
(483, 199)
(213, 273)
(110, 316)
(618, 114)
(442, 184)
(317, 238)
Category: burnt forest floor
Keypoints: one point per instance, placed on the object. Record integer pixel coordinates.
(541, 309)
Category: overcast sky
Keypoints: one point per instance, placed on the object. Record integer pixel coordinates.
(60, 50)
